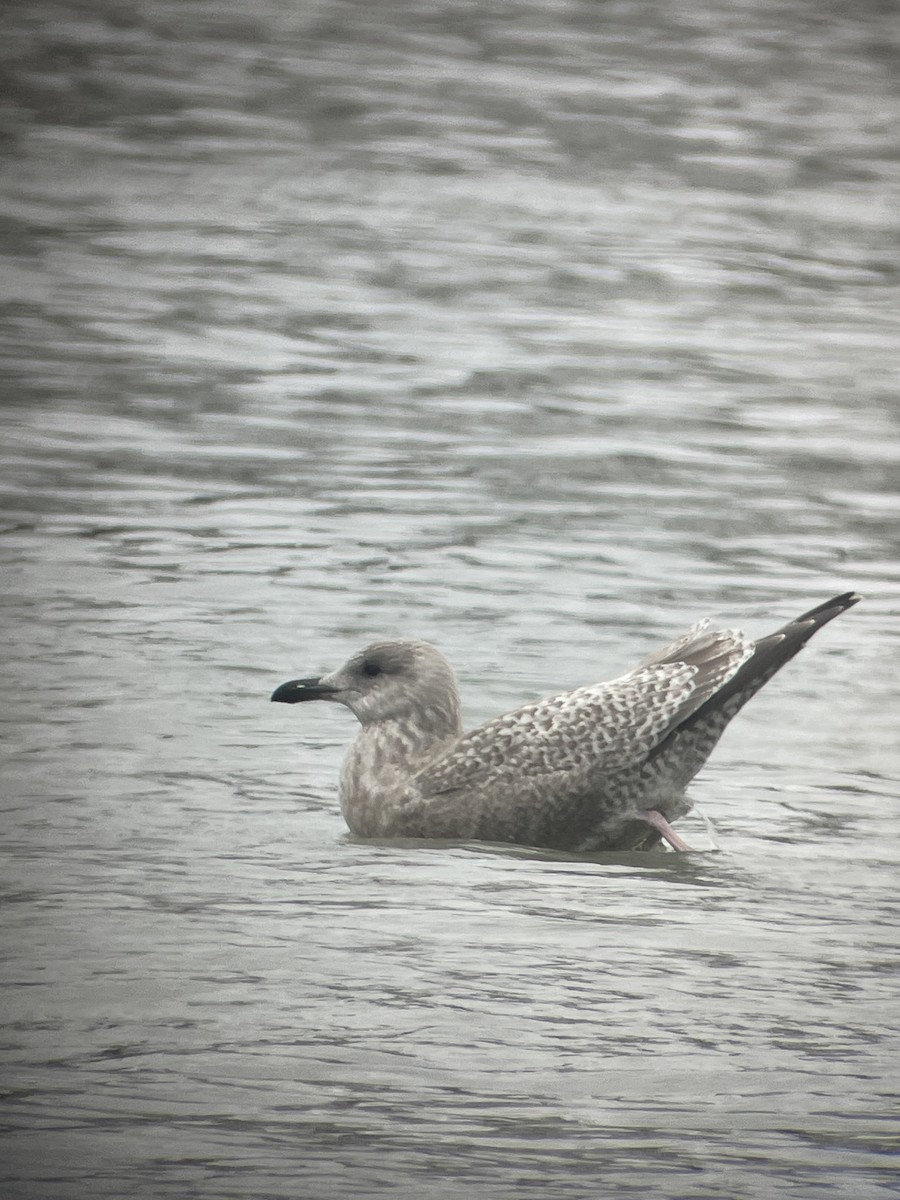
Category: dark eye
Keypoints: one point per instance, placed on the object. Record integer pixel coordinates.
(370, 668)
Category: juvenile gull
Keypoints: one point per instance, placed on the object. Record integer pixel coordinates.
(603, 767)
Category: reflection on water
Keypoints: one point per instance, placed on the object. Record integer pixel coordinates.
(538, 331)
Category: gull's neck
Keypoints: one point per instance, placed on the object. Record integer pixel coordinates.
(413, 734)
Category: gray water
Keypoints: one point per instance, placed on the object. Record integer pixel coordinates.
(536, 330)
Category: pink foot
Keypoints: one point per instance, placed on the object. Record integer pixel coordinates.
(658, 821)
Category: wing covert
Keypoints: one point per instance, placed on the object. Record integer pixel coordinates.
(609, 727)
(600, 729)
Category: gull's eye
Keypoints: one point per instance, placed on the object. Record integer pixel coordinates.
(370, 668)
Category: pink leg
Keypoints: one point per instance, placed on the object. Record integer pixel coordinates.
(658, 821)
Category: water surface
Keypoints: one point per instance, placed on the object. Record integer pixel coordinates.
(539, 331)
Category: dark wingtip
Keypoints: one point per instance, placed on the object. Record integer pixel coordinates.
(830, 608)
(770, 655)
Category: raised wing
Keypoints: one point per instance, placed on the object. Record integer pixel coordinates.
(595, 730)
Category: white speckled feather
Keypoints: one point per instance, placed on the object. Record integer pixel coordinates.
(603, 728)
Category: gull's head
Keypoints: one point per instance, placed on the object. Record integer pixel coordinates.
(405, 681)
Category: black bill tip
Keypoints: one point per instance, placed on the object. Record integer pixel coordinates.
(296, 690)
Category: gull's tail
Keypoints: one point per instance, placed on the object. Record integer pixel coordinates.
(769, 656)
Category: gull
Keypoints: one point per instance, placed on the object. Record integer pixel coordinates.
(602, 768)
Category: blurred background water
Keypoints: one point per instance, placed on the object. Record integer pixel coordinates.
(539, 331)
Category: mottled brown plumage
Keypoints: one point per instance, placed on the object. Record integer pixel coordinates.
(603, 767)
